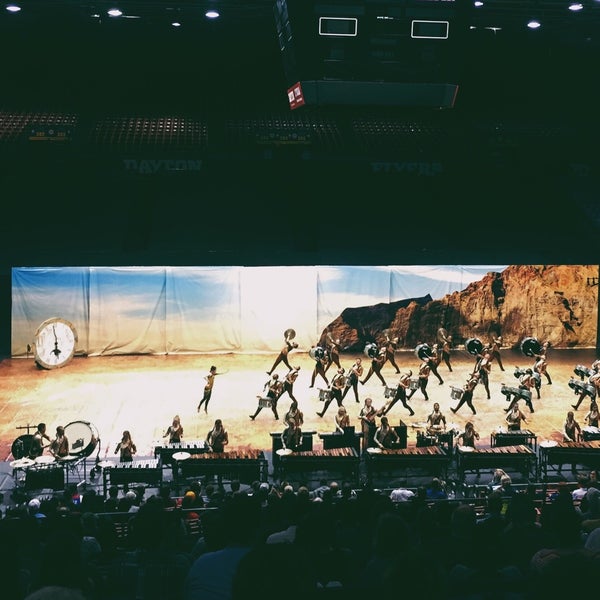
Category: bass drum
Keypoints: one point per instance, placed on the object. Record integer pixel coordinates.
(21, 446)
(83, 438)
(530, 346)
(474, 346)
(423, 351)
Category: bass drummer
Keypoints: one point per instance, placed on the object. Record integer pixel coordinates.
(59, 447)
(37, 443)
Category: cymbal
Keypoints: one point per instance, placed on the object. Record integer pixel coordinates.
(105, 463)
(21, 463)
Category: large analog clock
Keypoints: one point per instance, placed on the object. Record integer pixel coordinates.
(54, 343)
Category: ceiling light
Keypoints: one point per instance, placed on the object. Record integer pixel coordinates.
(534, 24)
(114, 12)
(575, 6)
(212, 14)
(13, 8)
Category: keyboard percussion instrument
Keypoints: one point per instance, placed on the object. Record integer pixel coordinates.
(519, 458)
(166, 451)
(514, 437)
(343, 461)
(554, 455)
(433, 460)
(148, 471)
(246, 466)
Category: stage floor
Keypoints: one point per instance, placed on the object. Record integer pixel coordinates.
(142, 393)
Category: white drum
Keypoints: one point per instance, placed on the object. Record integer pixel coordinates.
(390, 392)
(181, 455)
(324, 394)
(413, 384)
(44, 460)
(83, 438)
(264, 402)
(456, 393)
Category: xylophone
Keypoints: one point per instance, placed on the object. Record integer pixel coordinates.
(574, 453)
(518, 458)
(589, 433)
(344, 461)
(165, 451)
(432, 459)
(246, 466)
(137, 471)
(516, 437)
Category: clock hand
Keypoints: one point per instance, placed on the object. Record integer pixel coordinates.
(56, 350)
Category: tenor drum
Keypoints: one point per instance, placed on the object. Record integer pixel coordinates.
(590, 390)
(510, 391)
(21, 446)
(576, 385)
(324, 394)
(583, 371)
(264, 402)
(389, 392)
(525, 394)
(83, 438)
(456, 393)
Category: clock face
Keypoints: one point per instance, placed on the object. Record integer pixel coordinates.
(54, 343)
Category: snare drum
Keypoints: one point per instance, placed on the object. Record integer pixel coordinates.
(324, 395)
(413, 384)
(390, 392)
(264, 402)
(456, 393)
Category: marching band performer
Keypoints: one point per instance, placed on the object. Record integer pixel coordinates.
(274, 389)
(367, 416)
(288, 382)
(321, 363)
(338, 383)
(354, 375)
(377, 363)
(391, 344)
(400, 394)
(467, 396)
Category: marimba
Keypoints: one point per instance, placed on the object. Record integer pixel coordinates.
(516, 437)
(518, 458)
(337, 439)
(246, 466)
(341, 461)
(434, 460)
(573, 453)
(277, 444)
(137, 471)
(165, 451)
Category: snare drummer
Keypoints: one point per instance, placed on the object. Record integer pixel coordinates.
(274, 389)
(424, 372)
(338, 383)
(400, 394)
(356, 372)
(37, 442)
(467, 395)
(59, 447)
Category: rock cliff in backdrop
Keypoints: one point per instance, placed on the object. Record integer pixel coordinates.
(552, 303)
